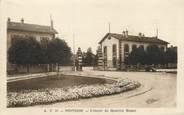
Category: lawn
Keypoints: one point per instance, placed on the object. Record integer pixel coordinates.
(54, 82)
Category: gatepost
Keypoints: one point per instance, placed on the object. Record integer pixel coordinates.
(100, 59)
(79, 59)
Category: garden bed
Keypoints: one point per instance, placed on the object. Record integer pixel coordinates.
(57, 89)
(54, 82)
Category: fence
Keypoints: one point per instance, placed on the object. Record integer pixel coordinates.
(65, 68)
(140, 67)
(17, 69)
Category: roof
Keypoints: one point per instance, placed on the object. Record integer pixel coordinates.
(134, 38)
(30, 27)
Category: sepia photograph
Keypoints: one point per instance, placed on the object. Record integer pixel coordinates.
(92, 54)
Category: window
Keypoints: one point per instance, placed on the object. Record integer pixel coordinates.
(134, 47)
(14, 37)
(105, 55)
(31, 37)
(141, 47)
(114, 54)
(105, 51)
(162, 48)
(114, 49)
(44, 41)
(126, 48)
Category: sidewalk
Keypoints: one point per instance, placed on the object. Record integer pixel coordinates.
(84, 74)
(29, 76)
(167, 70)
(158, 89)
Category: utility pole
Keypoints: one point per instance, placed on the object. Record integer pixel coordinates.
(51, 22)
(109, 27)
(73, 51)
(157, 32)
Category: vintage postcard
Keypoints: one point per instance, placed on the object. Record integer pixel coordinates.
(92, 57)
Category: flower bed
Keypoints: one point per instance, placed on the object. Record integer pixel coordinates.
(50, 95)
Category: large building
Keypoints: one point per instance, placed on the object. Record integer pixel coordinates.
(115, 47)
(39, 32)
(16, 30)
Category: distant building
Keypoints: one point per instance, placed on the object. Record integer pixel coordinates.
(116, 47)
(41, 33)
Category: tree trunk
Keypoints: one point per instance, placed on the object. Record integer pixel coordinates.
(52, 68)
(27, 68)
(48, 68)
(57, 65)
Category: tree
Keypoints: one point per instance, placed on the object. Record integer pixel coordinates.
(83, 58)
(137, 55)
(58, 52)
(96, 60)
(24, 51)
(28, 51)
(171, 55)
(89, 57)
(155, 55)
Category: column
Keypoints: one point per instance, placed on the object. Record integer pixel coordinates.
(79, 59)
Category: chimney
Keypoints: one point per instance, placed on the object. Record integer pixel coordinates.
(123, 33)
(126, 33)
(140, 34)
(51, 22)
(22, 20)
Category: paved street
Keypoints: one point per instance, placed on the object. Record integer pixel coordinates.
(158, 90)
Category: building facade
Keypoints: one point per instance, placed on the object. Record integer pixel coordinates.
(16, 30)
(39, 32)
(116, 47)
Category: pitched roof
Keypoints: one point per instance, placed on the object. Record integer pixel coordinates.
(30, 27)
(134, 38)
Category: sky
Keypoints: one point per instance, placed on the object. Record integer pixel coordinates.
(87, 20)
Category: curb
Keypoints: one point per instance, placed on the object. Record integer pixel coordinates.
(30, 76)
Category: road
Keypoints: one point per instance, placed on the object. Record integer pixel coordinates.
(158, 90)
